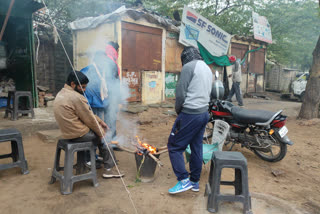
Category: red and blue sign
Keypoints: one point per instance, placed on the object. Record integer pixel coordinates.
(195, 27)
(192, 17)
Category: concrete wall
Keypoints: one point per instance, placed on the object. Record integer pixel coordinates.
(151, 87)
(86, 41)
(260, 83)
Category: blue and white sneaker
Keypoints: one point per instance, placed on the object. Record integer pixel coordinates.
(195, 186)
(181, 186)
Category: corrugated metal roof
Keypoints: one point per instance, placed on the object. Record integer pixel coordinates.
(93, 22)
(248, 39)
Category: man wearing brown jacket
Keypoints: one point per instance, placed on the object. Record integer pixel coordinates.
(78, 123)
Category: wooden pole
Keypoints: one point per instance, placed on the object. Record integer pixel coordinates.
(249, 58)
(155, 159)
(125, 149)
(162, 148)
(6, 19)
(160, 152)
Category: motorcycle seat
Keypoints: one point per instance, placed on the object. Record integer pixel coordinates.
(251, 116)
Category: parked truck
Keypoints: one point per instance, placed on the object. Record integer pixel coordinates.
(298, 86)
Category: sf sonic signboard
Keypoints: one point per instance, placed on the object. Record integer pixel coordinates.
(195, 28)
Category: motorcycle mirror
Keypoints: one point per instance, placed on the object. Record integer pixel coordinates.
(217, 75)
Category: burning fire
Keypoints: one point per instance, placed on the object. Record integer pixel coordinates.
(150, 148)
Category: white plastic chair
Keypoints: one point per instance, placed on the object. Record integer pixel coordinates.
(220, 132)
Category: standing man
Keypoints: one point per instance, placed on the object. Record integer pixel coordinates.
(192, 98)
(78, 123)
(236, 80)
(103, 90)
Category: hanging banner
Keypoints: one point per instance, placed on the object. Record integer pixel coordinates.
(195, 27)
(261, 28)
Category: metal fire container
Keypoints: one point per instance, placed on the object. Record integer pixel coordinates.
(148, 167)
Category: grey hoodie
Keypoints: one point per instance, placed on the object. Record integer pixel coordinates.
(236, 72)
(194, 88)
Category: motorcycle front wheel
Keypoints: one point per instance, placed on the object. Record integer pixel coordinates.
(275, 153)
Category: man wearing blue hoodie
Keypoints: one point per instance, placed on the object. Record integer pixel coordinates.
(103, 90)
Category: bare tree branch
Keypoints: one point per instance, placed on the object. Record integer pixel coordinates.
(228, 7)
(216, 10)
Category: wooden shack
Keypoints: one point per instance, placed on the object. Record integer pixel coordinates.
(253, 69)
(148, 49)
(17, 42)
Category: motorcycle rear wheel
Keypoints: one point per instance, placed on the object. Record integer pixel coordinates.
(271, 157)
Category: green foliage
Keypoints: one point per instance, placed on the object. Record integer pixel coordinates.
(295, 30)
(295, 24)
(233, 16)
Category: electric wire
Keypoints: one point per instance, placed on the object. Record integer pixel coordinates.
(124, 184)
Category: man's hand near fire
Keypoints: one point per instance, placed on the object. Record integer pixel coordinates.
(104, 127)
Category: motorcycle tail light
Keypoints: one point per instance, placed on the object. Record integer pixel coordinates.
(278, 123)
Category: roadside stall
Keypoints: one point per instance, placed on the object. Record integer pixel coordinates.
(17, 47)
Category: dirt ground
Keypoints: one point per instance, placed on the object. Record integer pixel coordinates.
(298, 185)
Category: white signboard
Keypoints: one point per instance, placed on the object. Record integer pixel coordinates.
(195, 28)
(261, 28)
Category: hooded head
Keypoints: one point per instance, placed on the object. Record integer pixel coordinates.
(189, 54)
(112, 50)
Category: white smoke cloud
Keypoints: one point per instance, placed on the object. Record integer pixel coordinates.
(118, 91)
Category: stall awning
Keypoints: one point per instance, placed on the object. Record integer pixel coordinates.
(21, 8)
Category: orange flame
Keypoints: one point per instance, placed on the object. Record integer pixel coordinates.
(150, 148)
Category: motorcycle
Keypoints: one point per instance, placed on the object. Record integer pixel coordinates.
(260, 131)
(263, 132)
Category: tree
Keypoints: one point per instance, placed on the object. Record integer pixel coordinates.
(294, 24)
(233, 15)
(295, 29)
(310, 105)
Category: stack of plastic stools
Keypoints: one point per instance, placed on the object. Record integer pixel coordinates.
(14, 110)
(17, 152)
(67, 179)
(234, 160)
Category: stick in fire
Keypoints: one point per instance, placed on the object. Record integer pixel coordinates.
(144, 149)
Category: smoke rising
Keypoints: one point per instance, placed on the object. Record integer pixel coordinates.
(116, 94)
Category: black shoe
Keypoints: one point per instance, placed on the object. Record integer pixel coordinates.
(98, 165)
(240, 105)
